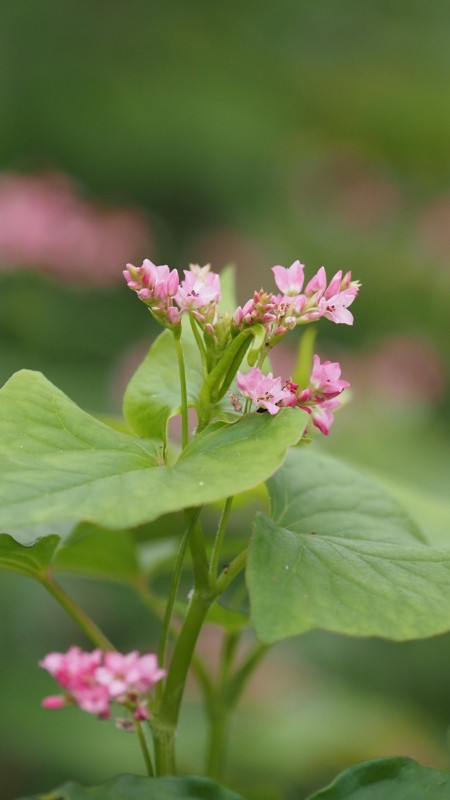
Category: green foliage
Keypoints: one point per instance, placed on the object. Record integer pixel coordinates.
(66, 465)
(94, 552)
(346, 559)
(388, 779)
(153, 395)
(228, 299)
(132, 787)
(88, 552)
(314, 492)
(31, 560)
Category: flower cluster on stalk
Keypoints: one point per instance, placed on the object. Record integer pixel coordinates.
(94, 681)
(275, 314)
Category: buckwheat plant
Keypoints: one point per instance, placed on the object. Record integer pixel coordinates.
(332, 549)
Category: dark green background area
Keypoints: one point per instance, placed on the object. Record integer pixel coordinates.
(257, 133)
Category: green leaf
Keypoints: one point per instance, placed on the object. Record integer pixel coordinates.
(335, 564)
(228, 301)
(153, 394)
(314, 492)
(232, 621)
(57, 462)
(132, 787)
(91, 551)
(388, 779)
(32, 560)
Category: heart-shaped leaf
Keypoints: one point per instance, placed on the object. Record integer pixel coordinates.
(59, 463)
(153, 394)
(31, 560)
(388, 779)
(91, 551)
(132, 787)
(334, 563)
(314, 492)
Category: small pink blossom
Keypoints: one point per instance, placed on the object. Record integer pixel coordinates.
(93, 699)
(322, 415)
(94, 680)
(335, 308)
(334, 287)
(54, 701)
(120, 674)
(199, 288)
(74, 668)
(264, 390)
(157, 287)
(325, 378)
(261, 308)
(318, 283)
(290, 281)
(318, 399)
(158, 282)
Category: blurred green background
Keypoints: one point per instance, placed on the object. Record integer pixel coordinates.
(254, 133)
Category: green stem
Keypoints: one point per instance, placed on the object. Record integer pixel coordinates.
(215, 555)
(217, 378)
(229, 573)
(78, 615)
(235, 364)
(200, 345)
(240, 678)
(219, 709)
(174, 588)
(199, 560)
(167, 719)
(183, 389)
(221, 706)
(155, 604)
(219, 729)
(145, 750)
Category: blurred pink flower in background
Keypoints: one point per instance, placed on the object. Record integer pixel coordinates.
(355, 189)
(434, 229)
(401, 371)
(46, 226)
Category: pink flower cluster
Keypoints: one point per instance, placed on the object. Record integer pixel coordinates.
(318, 399)
(282, 312)
(94, 680)
(199, 293)
(161, 288)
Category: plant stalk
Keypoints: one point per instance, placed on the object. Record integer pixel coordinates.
(183, 389)
(145, 750)
(174, 587)
(78, 615)
(215, 555)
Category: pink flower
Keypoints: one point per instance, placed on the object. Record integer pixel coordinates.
(199, 288)
(261, 308)
(335, 308)
(157, 288)
(74, 668)
(289, 281)
(150, 672)
(322, 415)
(94, 680)
(325, 378)
(121, 674)
(325, 384)
(151, 281)
(54, 701)
(318, 283)
(93, 699)
(264, 390)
